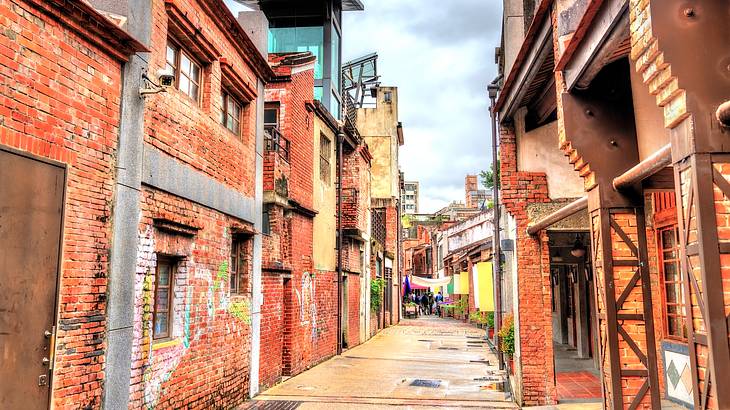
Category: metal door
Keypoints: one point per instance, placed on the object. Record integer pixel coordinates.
(31, 204)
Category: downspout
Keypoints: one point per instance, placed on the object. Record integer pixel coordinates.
(492, 89)
(340, 138)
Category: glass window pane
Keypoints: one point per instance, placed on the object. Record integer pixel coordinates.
(334, 106)
(161, 325)
(163, 271)
(291, 39)
(335, 59)
(671, 294)
(668, 238)
(162, 299)
(270, 116)
(185, 64)
(193, 91)
(195, 73)
(318, 92)
(171, 55)
(184, 85)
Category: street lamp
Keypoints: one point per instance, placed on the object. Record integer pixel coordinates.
(492, 90)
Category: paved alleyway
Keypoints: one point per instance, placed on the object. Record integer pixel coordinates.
(396, 367)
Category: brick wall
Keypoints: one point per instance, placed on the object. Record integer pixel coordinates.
(272, 328)
(191, 132)
(353, 311)
(205, 362)
(61, 101)
(519, 189)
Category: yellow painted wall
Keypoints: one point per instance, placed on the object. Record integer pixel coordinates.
(325, 203)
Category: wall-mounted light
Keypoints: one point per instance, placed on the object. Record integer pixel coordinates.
(579, 250)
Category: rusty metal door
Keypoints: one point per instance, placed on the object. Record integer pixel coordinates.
(31, 205)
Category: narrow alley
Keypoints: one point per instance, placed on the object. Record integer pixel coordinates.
(421, 363)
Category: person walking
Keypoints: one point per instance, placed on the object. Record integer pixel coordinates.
(439, 301)
(424, 303)
(430, 303)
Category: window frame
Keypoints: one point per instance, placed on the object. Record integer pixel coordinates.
(228, 99)
(680, 302)
(325, 165)
(179, 51)
(238, 273)
(273, 107)
(172, 263)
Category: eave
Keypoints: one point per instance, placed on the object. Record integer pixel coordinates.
(527, 47)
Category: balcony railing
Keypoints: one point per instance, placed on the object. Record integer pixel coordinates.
(276, 142)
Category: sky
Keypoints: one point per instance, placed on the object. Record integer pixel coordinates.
(440, 55)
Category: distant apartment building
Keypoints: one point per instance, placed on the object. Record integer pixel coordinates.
(409, 197)
(475, 197)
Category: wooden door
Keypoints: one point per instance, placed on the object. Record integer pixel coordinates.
(31, 209)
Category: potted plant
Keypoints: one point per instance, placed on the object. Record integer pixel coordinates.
(507, 338)
(489, 321)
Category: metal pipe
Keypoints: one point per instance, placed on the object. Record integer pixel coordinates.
(723, 114)
(340, 138)
(496, 264)
(557, 216)
(644, 169)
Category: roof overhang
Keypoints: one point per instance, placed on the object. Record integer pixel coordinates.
(601, 38)
(526, 69)
(352, 5)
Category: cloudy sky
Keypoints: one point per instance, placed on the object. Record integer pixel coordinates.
(440, 55)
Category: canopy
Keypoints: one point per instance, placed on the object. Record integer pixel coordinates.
(430, 283)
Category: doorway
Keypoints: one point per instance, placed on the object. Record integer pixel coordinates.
(573, 306)
(31, 218)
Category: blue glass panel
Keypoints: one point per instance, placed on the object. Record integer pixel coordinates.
(299, 39)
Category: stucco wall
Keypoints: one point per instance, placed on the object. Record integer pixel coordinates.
(513, 27)
(650, 131)
(325, 203)
(379, 127)
(537, 151)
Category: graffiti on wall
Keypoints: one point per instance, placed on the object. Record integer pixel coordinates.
(201, 301)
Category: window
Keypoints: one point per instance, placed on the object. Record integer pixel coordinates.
(239, 266)
(271, 116)
(325, 148)
(187, 72)
(266, 221)
(671, 275)
(231, 113)
(164, 287)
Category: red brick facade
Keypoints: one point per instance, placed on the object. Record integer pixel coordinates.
(519, 189)
(61, 102)
(205, 361)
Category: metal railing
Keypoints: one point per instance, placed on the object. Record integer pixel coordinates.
(276, 142)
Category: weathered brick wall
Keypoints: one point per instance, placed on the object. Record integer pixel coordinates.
(272, 329)
(296, 125)
(191, 132)
(205, 362)
(276, 253)
(356, 188)
(353, 311)
(61, 101)
(520, 188)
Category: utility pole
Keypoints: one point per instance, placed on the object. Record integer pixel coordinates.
(492, 89)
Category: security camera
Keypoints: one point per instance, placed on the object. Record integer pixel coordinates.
(165, 79)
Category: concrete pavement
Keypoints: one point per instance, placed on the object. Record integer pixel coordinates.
(420, 364)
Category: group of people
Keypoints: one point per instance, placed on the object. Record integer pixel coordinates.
(427, 301)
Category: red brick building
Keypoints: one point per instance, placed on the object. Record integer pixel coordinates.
(61, 70)
(629, 272)
(194, 295)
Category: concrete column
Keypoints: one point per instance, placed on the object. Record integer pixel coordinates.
(257, 298)
(126, 214)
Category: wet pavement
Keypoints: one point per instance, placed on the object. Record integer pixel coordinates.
(421, 363)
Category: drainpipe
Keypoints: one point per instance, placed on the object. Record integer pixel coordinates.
(340, 138)
(492, 89)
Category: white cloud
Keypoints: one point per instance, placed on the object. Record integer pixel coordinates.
(440, 55)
